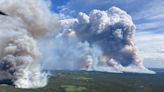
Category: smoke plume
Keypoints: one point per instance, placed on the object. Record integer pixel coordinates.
(25, 22)
(34, 39)
(99, 41)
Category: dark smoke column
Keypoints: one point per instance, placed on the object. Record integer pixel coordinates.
(113, 32)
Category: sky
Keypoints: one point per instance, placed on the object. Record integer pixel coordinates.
(148, 16)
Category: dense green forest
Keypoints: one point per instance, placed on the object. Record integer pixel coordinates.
(81, 81)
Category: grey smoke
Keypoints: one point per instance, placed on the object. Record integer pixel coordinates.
(100, 41)
(20, 31)
(34, 39)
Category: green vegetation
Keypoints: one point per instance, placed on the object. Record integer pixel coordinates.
(70, 88)
(81, 81)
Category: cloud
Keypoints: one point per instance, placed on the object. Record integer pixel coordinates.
(75, 6)
(155, 25)
(150, 46)
(146, 14)
(153, 10)
(151, 16)
(150, 35)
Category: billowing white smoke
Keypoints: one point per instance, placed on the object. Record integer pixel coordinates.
(26, 22)
(100, 41)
